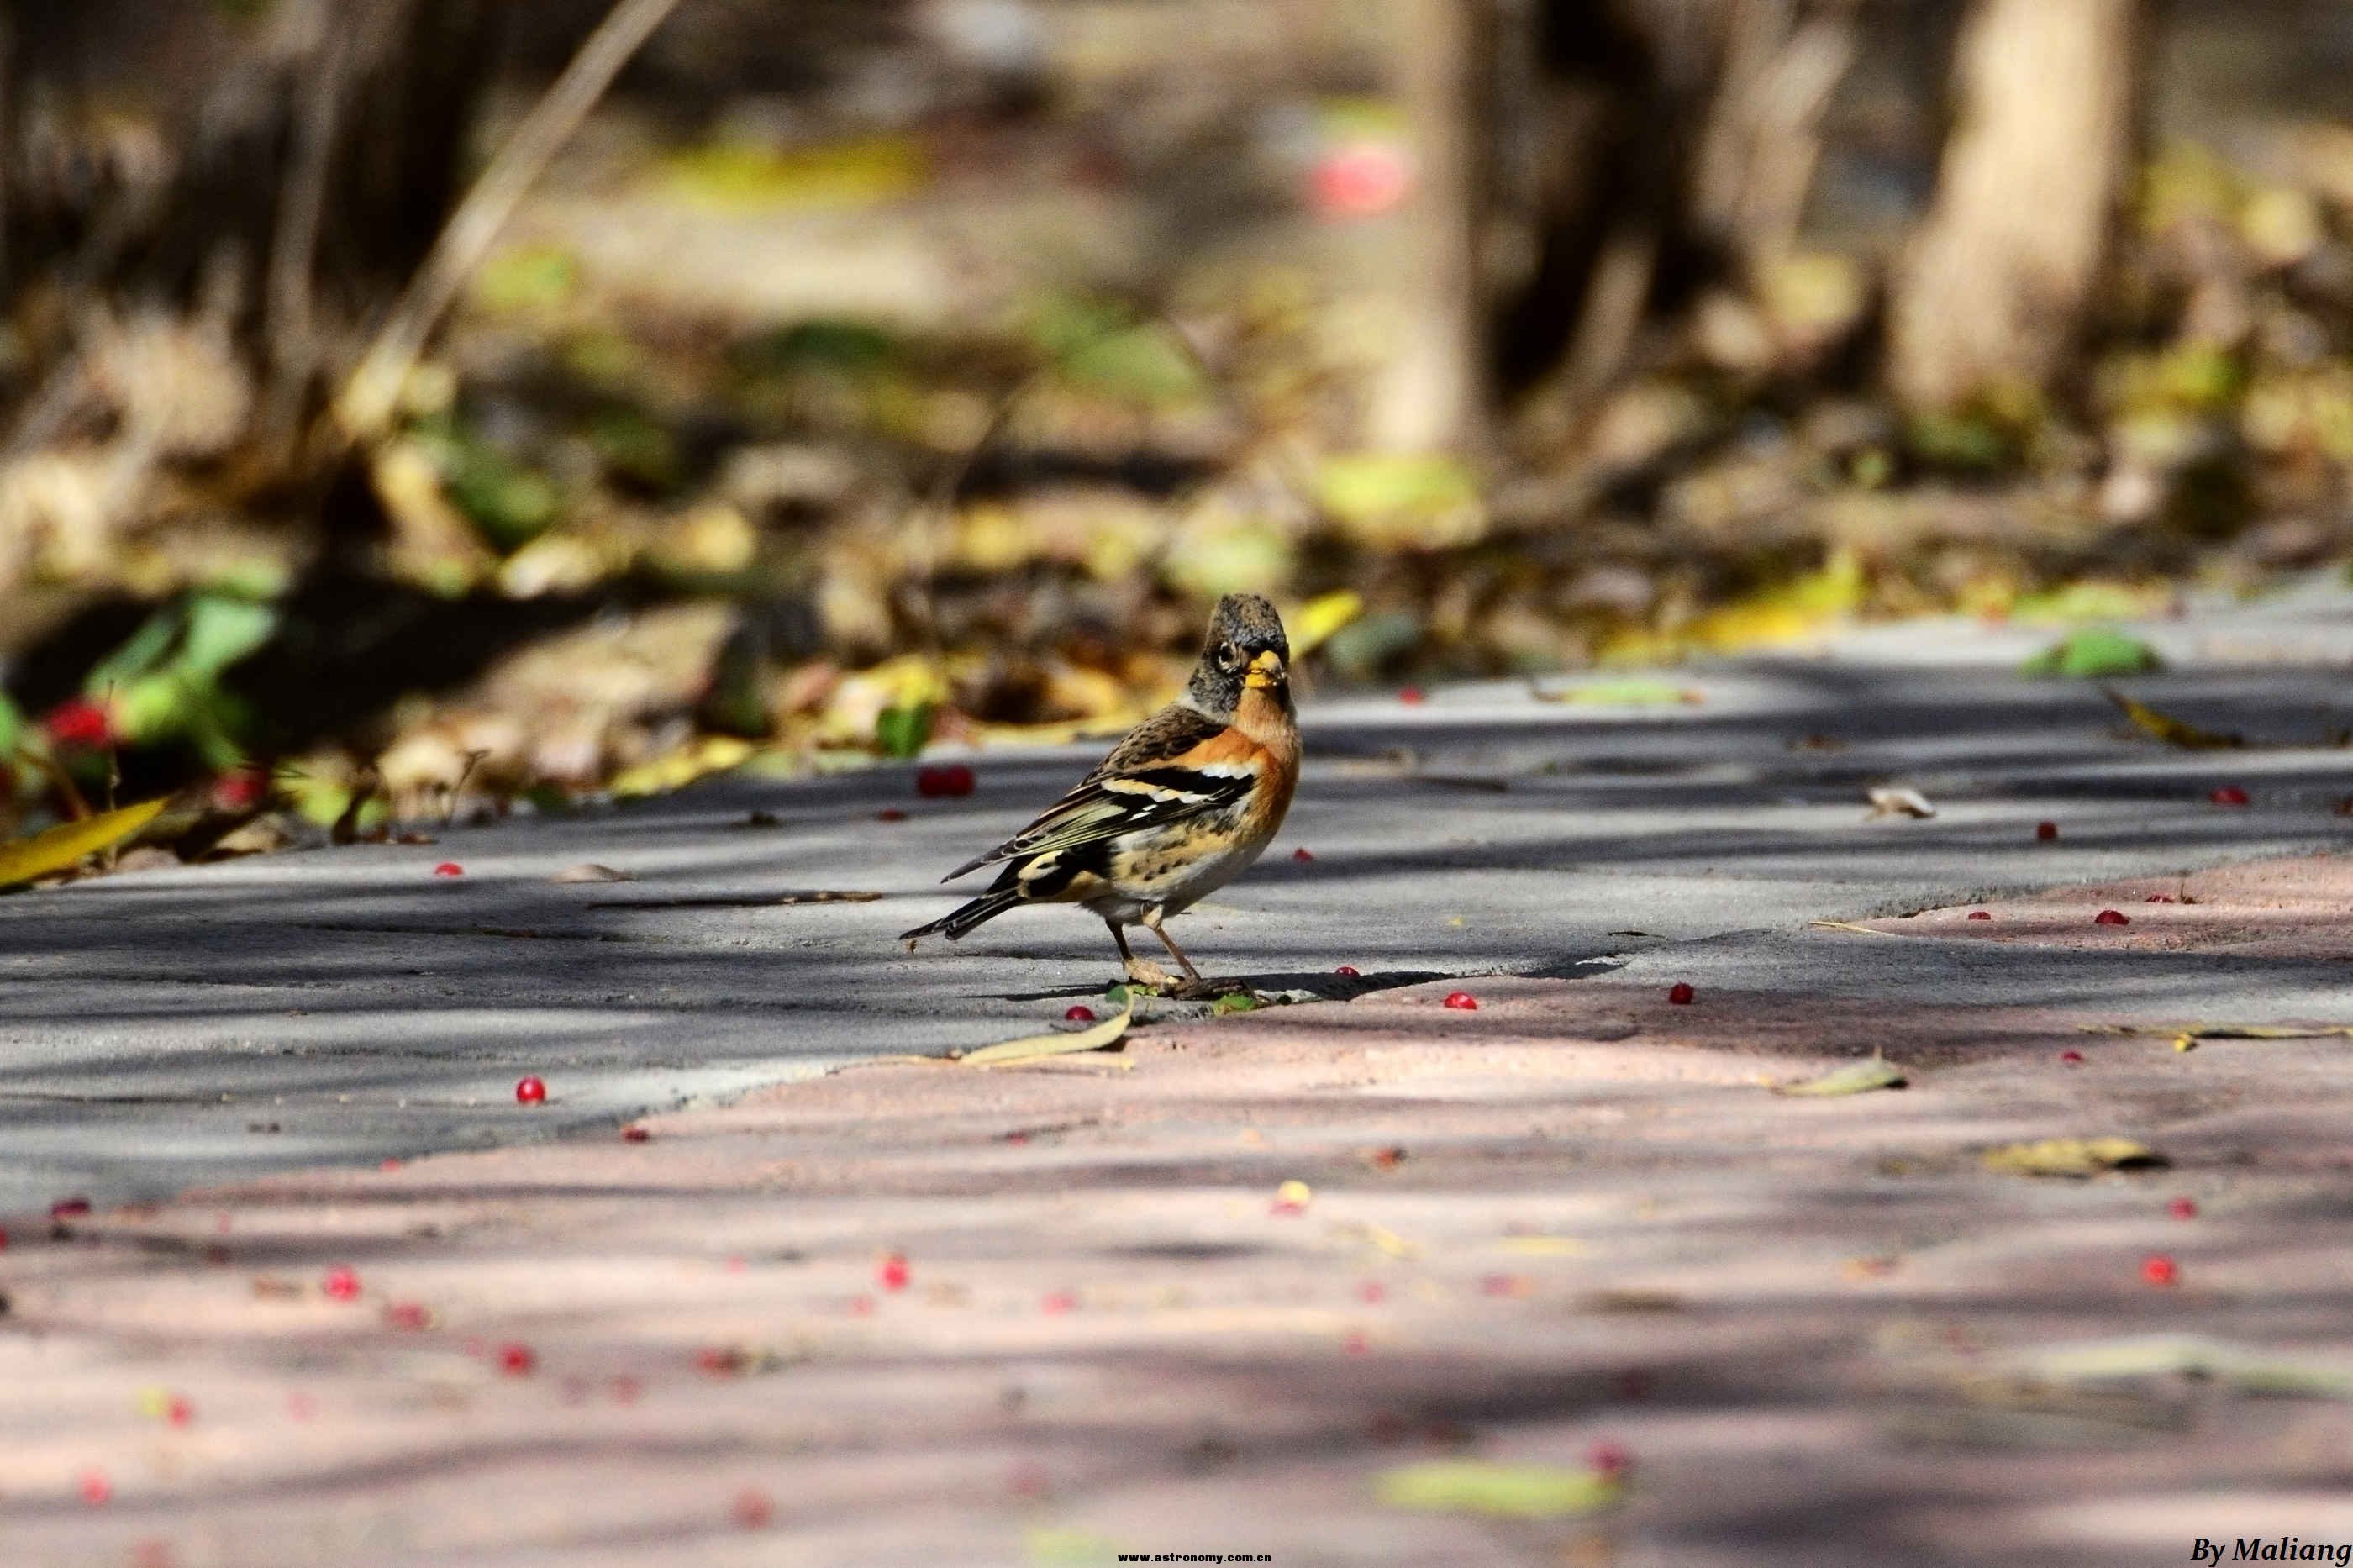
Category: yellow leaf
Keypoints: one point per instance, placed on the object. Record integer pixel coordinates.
(1498, 1491)
(2070, 1157)
(1032, 1047)
(2166, 727)
(64, 846)
(1314, 622)
(1544, 1246)
(1855, 1078)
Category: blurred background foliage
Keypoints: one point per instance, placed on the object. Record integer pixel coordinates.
(859, 376)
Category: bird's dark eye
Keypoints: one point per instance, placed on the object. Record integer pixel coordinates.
(1230, 657)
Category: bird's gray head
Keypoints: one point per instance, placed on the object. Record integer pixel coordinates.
(1246, 650)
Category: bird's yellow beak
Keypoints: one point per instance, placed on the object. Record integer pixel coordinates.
(1265, 670)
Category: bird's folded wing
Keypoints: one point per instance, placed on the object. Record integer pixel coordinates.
(1168, 770)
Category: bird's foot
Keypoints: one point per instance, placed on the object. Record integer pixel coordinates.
(1144, 972)
(1210, 989)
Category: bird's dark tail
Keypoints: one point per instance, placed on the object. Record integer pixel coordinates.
(966, 917)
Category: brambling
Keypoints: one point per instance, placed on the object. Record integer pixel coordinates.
(1179, 808)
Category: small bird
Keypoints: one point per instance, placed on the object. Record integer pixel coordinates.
(1178, 809)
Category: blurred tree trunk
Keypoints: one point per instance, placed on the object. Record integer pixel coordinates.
(1993, 292)
(1432, 392)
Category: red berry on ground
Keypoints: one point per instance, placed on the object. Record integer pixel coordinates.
(890, 813)
(2112, 918)
(635, 1136)
(1462, 1001)
(517, 1360)
(342, 1284)
(1056, 1302)
(1409, 695)
(1611, 1461)
(1980, 915)
(1079, 1013)
(449, 868)
(1350, 969)
(2072, 1058)
(2229, 794)
(411, 1316)
(1680, 993)
(531, 1091)
(4, 1238)
(69, 1208)
(2044, 832)
(239, 787)
(944, 779)
(752, 1509)
(2183, 1208)
(179, 1412)
(1372, 1293)
(716, 1360)
(1302, 854)
(894, 1274)
(2156, 1269)
(95, 1489)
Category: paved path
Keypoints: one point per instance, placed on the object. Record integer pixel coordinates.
(163, 1028)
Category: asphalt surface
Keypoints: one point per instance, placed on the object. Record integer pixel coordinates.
(165, 1028)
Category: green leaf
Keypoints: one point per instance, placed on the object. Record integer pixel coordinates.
(1497, 1492)
(1855, 1078)
(2166, 727)
(1624, 694)
(66, 844)
(901, 731)
(1236, 1002)
(1101, 1036)
(2095, 653)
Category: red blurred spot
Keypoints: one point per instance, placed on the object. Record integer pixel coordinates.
(1079, 1014)
(718, 1360)
(1362, 180)
(627, 1389)
(2183, 1208)
(2156, 1269)
(635, 1136)
(1350, 969)
(95, 1489)
(890, 813)
(1462, 1001)
(894, 1274)
(342, 1284)
(1980, 915)
(1056, 1302)
(1354, 1343)
(1372, 1293)
(1611, 1461)
(179, 1412)
(943, 779)
(411, 1316)
(2072, 1058)
(531, 1091)
(2229, 794)
(1302, 854)
(4, 1238)
(1411, 696)
(77, 724)
(2112, 918)
(861, 1306)
(1503, 1285)
(449, 868)
(752, 1509)
(388, 1163)
(2044, 832)
(240, 787)
(517, 1360)
(69, 1208)
(1680, 993)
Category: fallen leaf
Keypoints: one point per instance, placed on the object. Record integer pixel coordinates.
(2095, 653)
(1032, 1047)
(1497, 1492)
(589, 871)
(2166, 727)
(2185, 1036)
(2072, 1157)
(1849, 925)
(2189, 1356)
(1855, 1078)
(1899, 803)
(1543, 1246)
(1623, 694)
(1314, 622)
(65, 844)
